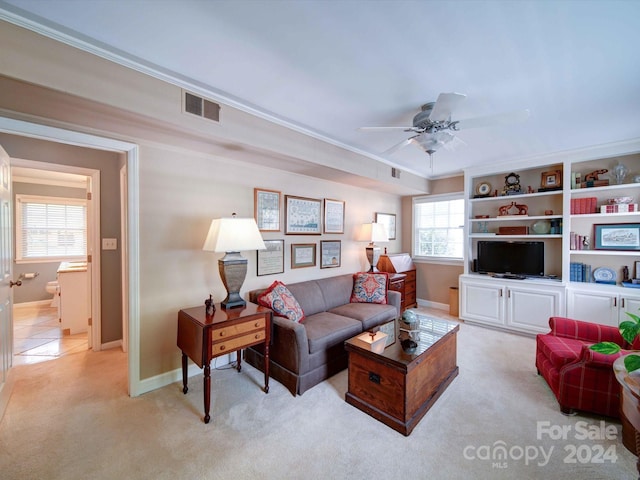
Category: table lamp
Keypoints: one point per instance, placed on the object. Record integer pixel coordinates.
(233, 235)
(375, 232)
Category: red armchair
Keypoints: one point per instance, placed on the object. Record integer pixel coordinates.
(580, 378)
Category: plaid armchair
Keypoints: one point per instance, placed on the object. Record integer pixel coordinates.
(580, 378)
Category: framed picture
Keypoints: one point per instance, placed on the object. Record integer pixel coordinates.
(303, 255)
(266, 209)
(330, 251)
(389, 221)
(333, 216)
(271, 260)
(620, 236)
(303, 216)
(551, 179)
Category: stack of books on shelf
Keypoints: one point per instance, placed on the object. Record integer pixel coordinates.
(578, 242)
(577, 181)
(619, 208)
(580, 206)
(579, 272)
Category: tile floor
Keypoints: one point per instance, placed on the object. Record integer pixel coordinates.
(37, 336)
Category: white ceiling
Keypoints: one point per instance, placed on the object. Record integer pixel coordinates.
(329, 67)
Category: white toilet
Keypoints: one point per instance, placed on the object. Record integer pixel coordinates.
(54, 289)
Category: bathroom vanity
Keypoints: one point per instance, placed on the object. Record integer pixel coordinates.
(74, 297)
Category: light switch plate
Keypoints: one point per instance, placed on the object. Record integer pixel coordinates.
(109, 243)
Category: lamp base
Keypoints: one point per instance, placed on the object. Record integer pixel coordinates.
(233, 270)
(373, 255)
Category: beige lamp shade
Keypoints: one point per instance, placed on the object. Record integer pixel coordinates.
(233, 235)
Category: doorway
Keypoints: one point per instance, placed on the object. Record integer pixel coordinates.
(130, 152)
(40, 330)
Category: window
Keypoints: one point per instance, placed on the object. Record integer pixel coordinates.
(49, 228)
(438, 223)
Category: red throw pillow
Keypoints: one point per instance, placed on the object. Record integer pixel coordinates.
(279, 299)
(370, 288)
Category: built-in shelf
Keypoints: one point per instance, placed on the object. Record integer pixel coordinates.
(606, 253)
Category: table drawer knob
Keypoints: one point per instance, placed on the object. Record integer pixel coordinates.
(257, 324)
(257, 336)
(222, 333)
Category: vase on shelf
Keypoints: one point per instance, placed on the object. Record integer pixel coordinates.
(619, 172)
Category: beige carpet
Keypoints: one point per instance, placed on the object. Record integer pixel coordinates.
(71, 419)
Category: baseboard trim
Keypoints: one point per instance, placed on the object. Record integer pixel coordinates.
(36, 303)
(436, 305)
(173, 376)
(108, 345)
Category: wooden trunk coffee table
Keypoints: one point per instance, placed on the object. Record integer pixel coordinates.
(398, 388)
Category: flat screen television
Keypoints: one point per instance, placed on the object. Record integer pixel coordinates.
(518, 258)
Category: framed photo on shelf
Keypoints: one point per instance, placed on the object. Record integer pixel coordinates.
(271, 260)
(389, 221)
(303, 216)
(303, 255)
(266, 209)
(330, 251)
(333, 216)
(617, 236)
(551, 179)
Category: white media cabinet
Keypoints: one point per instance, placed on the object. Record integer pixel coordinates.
(526, 305)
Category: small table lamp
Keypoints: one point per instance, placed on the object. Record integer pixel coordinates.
(375, 232)
(233, 235)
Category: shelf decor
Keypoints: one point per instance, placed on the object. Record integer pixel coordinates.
(617, 236)
(551, 180)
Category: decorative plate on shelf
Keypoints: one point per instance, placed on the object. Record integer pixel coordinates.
(604, 274)
(483, 189)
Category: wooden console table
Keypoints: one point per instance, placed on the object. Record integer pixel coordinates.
(401, 263)
(202, 337)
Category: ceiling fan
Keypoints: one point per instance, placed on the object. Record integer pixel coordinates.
(433, 128)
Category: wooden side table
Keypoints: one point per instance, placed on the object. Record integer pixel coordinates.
(202, 337)
(401, 263)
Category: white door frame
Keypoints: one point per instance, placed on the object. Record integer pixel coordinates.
(55, 134)
(93, 239)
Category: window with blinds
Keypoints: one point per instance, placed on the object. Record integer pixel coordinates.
(438, 226)
(50, 228)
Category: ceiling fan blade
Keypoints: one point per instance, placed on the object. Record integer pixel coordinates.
(446, 103)
(493, 120)
(372, 129)
(397, 146)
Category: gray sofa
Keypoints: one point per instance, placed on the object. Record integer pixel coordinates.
(304, 354)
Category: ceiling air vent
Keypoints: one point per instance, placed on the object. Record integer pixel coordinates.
(201, 107)
(395, 172)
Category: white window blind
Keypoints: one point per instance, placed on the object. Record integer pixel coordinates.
(50, 228)
(439, 227)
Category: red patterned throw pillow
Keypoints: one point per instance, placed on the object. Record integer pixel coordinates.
(279, 299)
(369, 288)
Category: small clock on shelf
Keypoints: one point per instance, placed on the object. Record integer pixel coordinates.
(512, 184)
(483, 189)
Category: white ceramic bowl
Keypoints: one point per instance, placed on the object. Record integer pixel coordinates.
(620, 200)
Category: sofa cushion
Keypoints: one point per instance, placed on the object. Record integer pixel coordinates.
(326, 329)
(337, 290)
(279, 299)
(559, 350)
(370, 288)
(370, 314)
(309, 296)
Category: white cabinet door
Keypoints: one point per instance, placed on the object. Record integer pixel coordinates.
(593, 306)
(482, 302)
(529, 309)
(629, 304)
